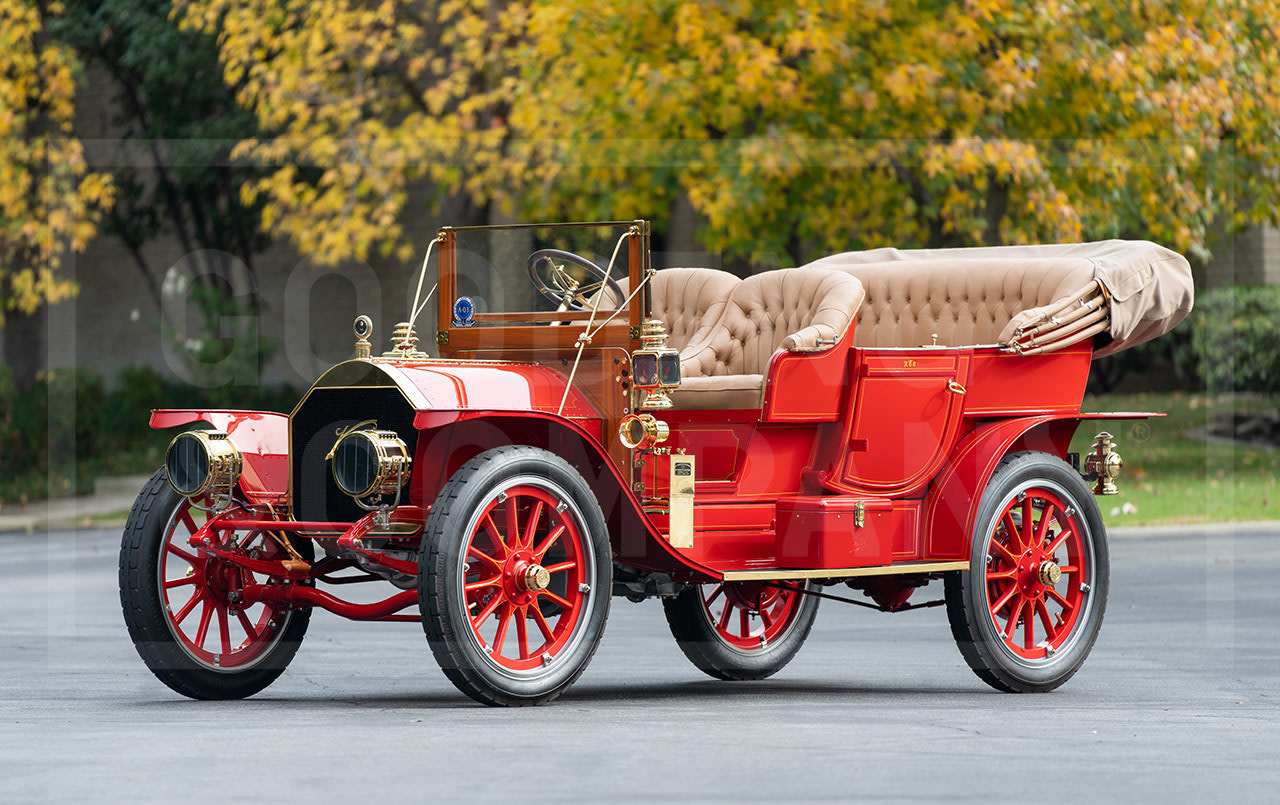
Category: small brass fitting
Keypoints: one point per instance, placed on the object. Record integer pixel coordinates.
(1103, 466)
(363, 329)
(536, 578)
(1049, 572)
(642, 430)
(404, 343)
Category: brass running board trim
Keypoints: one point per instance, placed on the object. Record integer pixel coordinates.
(780, 574)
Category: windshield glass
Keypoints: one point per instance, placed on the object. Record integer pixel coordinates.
(531, 269)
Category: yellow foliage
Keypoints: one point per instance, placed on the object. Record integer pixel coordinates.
(834, 123)
(49, 202)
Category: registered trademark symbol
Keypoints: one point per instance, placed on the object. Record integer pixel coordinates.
(1140, 432)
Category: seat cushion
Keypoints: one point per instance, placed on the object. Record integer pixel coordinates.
(723, 392)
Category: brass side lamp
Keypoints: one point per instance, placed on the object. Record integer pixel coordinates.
(655, 366)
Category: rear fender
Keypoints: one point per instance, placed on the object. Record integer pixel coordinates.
(952, 503)
(448, 439)
(951, 506)
(262, 437)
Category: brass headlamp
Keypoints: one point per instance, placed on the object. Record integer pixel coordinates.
(202, 462)
(655, 367)
(369, 462)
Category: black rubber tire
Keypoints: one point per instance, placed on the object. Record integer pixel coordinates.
(144, 615)
(968, 609)
(697, 637)
(441, 574)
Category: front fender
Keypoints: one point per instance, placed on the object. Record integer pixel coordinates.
(448, 439)
(262, 437)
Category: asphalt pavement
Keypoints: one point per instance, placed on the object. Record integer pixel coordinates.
(1178, 702)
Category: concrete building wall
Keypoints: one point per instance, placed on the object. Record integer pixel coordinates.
(1251, 257)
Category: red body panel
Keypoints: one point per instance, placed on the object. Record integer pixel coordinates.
(802, 387)
(432, 385)
(905, 431)
(952, 503)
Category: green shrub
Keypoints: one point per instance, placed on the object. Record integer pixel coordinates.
(1236, 338)
(68, 430)
(1167, 363)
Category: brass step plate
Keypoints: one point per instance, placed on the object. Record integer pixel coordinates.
(786, 574)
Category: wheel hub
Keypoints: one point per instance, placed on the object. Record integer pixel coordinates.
(1049, 573)
(752, 597)
(523, 578)
(1037, 572)
(536, 578)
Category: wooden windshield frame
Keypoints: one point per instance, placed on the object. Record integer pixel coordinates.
(532, 330)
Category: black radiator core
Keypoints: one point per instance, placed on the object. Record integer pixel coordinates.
(316, 424)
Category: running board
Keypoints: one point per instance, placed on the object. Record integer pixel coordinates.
(784, 574)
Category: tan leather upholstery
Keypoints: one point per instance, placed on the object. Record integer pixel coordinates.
(689, 301)
(720, 393)
(684, 299)
(801, 310)
(966, 302)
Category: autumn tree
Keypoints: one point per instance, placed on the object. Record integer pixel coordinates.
(368, 98)
(49, 201)
(791, 128)
(177, 122)
(857, 123)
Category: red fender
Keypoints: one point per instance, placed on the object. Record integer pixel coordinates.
(952, 503)
(450, 438)
(261, 436)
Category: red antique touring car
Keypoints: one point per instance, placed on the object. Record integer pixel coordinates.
(736, 447)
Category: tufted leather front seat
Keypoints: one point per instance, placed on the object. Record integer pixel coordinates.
(689, 301)
(686, 300)
(801, 310)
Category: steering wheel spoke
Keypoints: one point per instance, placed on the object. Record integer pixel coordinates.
(552, 273)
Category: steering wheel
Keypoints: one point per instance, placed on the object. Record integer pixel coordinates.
(570, 280)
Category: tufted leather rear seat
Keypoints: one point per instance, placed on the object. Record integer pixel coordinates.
(965, 301)
(800, 310)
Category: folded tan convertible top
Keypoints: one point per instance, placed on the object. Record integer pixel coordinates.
(1139, 290)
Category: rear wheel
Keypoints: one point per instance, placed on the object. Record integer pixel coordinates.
(1027, 612)
(182, 606)
(741, 630)
(516, 575)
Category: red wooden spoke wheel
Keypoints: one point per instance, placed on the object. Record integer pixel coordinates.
(1035, 565)
(750, 615)
(1026, 613)
(524, 573)
(741, 630)
(183, 604)
(201, 594)
(515, 576)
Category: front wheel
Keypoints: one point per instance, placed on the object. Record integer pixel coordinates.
(741, 630)
(1028, 610)
(515, 576)
(182, 604)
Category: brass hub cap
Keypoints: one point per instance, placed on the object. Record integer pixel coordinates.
(1050, 573)
(536, 578)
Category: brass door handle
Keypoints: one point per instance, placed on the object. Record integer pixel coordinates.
(955, 387)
